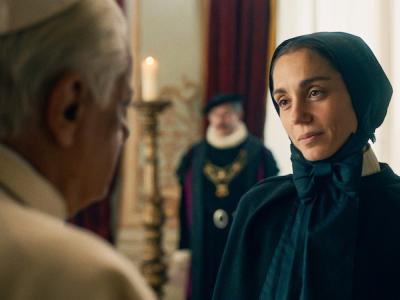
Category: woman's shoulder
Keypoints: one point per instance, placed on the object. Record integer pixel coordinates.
(385, 181)
(275, 183)
(271, 190)
(380, 191)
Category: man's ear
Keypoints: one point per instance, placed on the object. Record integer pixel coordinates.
(65, 105)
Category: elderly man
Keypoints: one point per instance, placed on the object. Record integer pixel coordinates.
(64, 90)
(214, 174)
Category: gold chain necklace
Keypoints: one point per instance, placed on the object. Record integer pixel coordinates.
(222, 176)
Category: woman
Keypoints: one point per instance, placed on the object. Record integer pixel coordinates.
(332, 229)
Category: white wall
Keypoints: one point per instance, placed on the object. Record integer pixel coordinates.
(171, 32)
(377, 22)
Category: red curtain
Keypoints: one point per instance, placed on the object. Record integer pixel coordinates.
(237, 55)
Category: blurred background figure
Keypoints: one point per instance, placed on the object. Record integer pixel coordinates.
(65, 69)
(214, 174)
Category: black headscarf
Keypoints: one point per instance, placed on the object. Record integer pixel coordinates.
(315, 255)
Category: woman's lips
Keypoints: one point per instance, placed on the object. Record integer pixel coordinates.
(309, 137)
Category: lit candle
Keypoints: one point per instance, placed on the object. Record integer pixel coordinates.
(149, 79)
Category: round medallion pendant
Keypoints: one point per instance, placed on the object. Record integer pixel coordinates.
(221, 218)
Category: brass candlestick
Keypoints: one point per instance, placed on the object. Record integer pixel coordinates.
(154, 269)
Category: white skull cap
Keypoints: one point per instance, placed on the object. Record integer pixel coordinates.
(21, 14)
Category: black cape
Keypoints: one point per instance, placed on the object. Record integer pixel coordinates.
(262, 214)
(197, 231)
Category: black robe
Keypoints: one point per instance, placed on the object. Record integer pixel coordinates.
(198, 203)
(262, 214)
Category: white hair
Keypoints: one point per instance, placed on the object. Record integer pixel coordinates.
(89, 38)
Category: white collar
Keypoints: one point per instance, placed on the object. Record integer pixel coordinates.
(25, 184)
(234, 139)
(370, 163)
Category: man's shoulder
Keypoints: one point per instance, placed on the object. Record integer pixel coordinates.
(256, 144)
(254, 140)
(31, 232)
(94, 257)
(187, 157)
(105, 264)
(43, 244)
(197, 145)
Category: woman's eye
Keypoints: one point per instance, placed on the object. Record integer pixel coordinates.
(315, 93)
(282, 103)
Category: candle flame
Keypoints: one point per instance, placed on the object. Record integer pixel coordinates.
(149, 60)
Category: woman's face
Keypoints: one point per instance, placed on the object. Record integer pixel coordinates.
(315, 106)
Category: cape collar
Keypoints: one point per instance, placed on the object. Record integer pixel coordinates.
(23, 183)
(370, 163)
